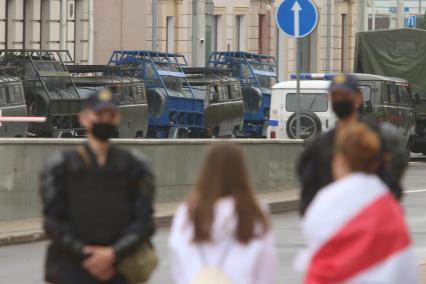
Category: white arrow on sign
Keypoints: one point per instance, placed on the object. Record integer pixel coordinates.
(296, 10)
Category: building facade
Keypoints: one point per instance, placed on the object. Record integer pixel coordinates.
(385, 12)
(35, 24)
(238, 25)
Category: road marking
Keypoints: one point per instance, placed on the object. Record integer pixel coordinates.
(415, 191)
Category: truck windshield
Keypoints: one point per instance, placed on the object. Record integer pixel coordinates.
(311, 102)
(266, 81)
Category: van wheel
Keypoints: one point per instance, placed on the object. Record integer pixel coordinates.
(310, 125)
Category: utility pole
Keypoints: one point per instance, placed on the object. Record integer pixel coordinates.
(154, 24)
(400, 14)
(328, 49)
(91, 31)
(198, 33)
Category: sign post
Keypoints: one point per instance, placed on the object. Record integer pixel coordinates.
(297, 19)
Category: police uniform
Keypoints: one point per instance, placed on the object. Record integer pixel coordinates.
(85, 203)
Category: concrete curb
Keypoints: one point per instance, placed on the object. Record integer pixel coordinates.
(165, 221)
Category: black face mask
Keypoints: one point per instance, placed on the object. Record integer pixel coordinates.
(343, 109)
(103, 131)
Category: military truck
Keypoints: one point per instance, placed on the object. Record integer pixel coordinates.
(398, 53)
(174, 111)
(257, 74)
(131, 91)
(49, 90)
(12, 103)
(223, 100)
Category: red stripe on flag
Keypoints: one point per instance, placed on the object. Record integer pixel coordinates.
(369, 238)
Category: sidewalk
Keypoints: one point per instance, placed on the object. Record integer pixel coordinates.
(30, 230)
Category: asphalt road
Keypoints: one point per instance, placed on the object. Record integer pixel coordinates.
(22, 264)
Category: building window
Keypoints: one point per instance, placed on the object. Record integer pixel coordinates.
(170, 39)
(240, 33)
(71, 11)
(345, 44)
(212, 34)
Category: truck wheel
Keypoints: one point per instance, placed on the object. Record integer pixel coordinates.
(310, 125)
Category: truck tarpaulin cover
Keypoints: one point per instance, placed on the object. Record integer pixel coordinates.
(397, 53)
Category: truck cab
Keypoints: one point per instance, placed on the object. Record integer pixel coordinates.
(223, 100)
(257, 74)
(173, 109)
(12, 103)
(385, 99)
(49, 90)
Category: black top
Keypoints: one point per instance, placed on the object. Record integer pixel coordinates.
(314, 166)
(88, 204)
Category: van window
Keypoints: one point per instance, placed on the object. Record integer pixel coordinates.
(392, 94)
(18, 98)
(139, 91)
(311, 102)
(236, 91)
(214, 95)
(366, 93)
(232, 92)
(227, 92)
(3, 97)
(404, 95)
(12, 99)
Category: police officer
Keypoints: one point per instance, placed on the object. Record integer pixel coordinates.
(314, 165)
(97, 202)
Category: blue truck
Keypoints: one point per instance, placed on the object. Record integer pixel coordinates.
(174, 111)
(257, 74)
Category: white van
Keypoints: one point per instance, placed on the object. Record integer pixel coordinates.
(316, 116)
(385, 99)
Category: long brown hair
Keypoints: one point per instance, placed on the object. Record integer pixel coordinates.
(224, 173)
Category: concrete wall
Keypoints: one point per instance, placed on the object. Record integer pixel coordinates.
(175, 163)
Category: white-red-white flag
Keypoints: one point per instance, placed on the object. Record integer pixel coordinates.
(356, 233)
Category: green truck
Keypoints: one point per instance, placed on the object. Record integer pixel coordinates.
(399, 53)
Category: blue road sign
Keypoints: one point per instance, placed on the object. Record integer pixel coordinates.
(297, 18)
(410, 22)
(407, 9)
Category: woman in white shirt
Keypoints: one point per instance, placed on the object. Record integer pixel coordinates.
(221, 226)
